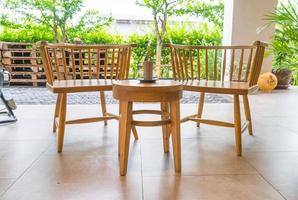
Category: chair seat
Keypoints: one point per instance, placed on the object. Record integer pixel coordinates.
(86, 85)
(226, 87)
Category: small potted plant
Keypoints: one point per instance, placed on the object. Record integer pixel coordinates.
(285, 43)
(283, 67)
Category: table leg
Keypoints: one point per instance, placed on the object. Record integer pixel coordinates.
(124, 134)
(165, 128)
(176, 140)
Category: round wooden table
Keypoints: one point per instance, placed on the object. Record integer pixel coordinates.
(168, 94)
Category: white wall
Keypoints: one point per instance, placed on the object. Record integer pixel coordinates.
(241, 20)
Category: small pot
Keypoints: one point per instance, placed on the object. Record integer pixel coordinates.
(284, 78)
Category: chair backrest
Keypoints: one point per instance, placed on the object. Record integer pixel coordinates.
(225, 63)
(77, 61)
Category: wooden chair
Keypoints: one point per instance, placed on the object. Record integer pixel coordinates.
(232, 70)
(83, 68)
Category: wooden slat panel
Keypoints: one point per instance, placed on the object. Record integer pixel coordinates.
(89, 64)
(232, 65)
(112, 64)
(98, 63)
(64, 64)
(185, 64)
(105, 63)
(215, 64)
(81, 64)
(122, 66)
(191, 64)
(118, 63)
(224, 65)
(128, 63)
(199, 65)
(248, 64)
(206, 64)
(73, 63)
(177, 64)
(240, 65)
(181, 63)
(173, 63)
(56, 64)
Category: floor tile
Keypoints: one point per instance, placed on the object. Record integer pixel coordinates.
(279, 168)
(16, 157)
(224, 187)
(78, 177)
(204, 156)
(4, 184)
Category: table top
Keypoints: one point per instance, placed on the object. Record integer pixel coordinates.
(133, 90)
(137, 84)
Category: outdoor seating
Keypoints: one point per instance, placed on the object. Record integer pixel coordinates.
(83, 68)
(165, 92)
(231, 70)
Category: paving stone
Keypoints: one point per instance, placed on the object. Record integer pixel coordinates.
(40, 95)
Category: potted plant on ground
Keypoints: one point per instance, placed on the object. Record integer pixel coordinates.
(285, 43)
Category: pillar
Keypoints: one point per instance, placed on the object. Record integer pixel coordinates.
(242, 19)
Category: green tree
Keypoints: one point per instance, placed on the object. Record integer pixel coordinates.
(213, 11)
(161, 10)
(56, 14)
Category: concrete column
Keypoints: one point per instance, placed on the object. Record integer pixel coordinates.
(242, 18)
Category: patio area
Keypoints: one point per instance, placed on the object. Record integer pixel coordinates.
(88, 166)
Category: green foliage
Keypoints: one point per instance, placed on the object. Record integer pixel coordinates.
(200, 35)
(212, 11)
(285, 44)
(37, 21)
(96, 36)
(28, 32)
(55, 15)
(161, 6)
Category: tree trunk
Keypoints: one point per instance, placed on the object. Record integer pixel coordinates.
(56, 34)
(158, 56)
(64, 36)
(55, 26)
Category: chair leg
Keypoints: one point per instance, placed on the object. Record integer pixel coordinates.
(103, 106)
(134, 132)
(165, 128)
(237, 122)
(57, 109)
(176, 140)
(247, 113)
(124, 134)
(62, 119)
(201, 106)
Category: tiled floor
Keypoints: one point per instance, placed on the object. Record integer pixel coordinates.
(30, 168)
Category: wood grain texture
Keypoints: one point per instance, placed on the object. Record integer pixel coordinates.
(124, 134)
(247, 113)
(175, 131)
(237, 123)
(62, 119)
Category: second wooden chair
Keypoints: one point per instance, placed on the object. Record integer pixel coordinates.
(231, 70)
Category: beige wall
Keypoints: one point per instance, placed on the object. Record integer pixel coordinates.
(242, 19)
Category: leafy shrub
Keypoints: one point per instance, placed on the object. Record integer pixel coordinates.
(201, 35)
(29, 32)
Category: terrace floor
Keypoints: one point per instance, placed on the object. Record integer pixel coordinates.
(30, 167)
